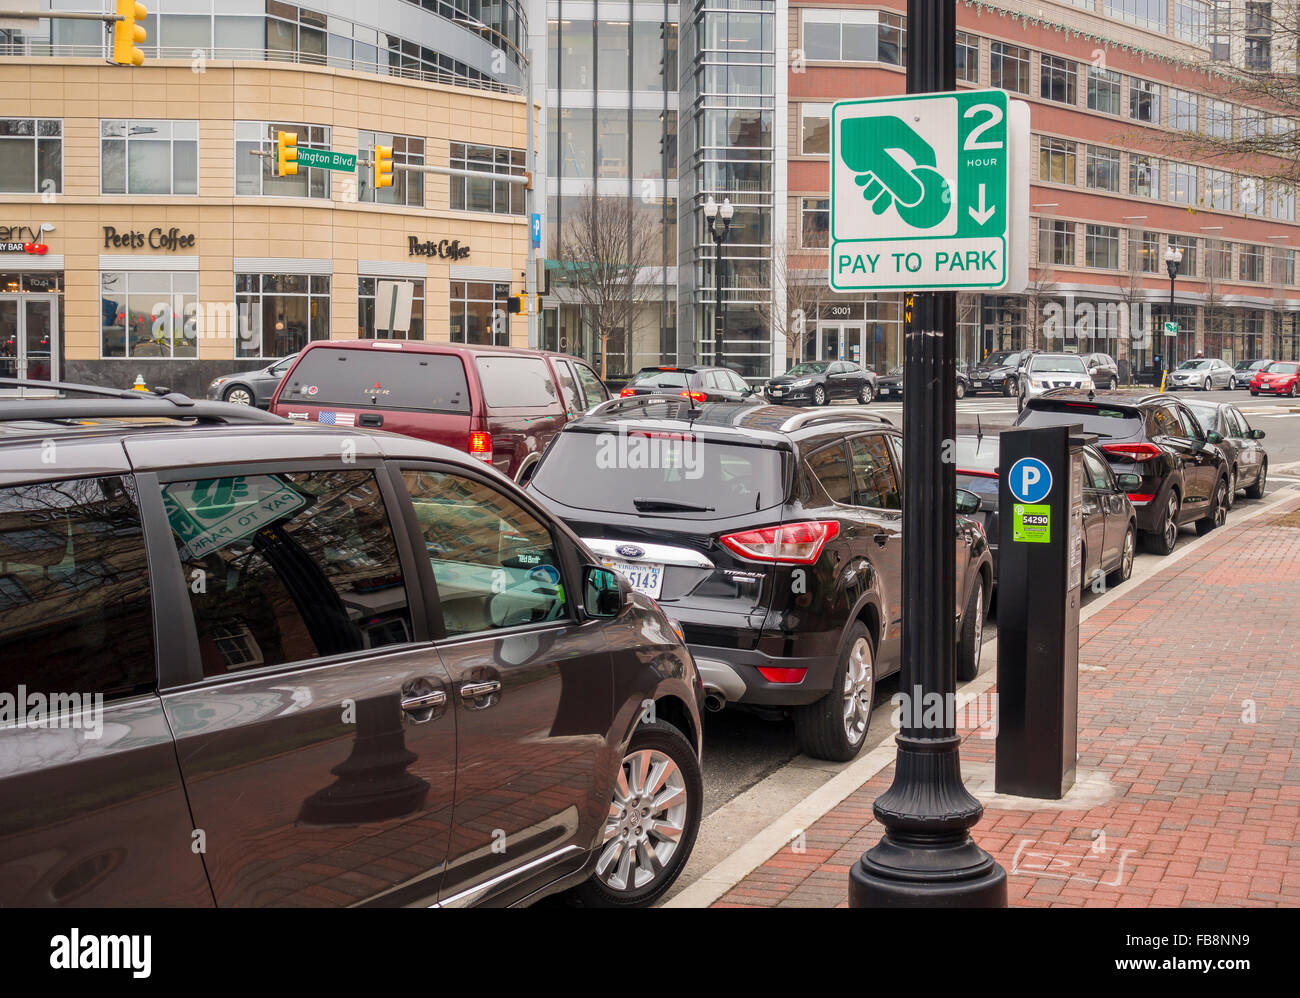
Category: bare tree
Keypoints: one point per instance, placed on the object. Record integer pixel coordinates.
(796, 293)
(1216, 272)
(611, 250)
(1133, 299)
(1040, 290)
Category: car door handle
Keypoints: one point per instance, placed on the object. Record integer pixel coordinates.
(423, 701)
(472, 691)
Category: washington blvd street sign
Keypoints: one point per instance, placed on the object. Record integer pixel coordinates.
(920, 192)
(325, 159)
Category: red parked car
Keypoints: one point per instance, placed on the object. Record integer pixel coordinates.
(1282, 377)
(499, 404)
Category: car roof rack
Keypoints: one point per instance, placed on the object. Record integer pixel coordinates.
(119, 403)
(612, 406)
(800, 420)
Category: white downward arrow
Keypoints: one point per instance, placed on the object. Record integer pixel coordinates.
(984, 213)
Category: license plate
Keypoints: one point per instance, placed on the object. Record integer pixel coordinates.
(778, 391)
(977, 384)
(644, 578)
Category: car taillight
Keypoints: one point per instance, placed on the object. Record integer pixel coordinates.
(1140, 497)
(780, 674)
(480, 445)
(790, 543)
(626, 393)
(695, 396)
(1134, 452)
(977, 474)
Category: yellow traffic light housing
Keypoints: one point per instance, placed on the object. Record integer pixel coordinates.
(286, 154)
(383, 166)
(128, 33)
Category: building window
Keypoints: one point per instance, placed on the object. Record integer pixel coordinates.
(1055, 242)
(1103, 169)
(1101, 247)
(255, 175)
(148, 157)
(366, 290)
(1192, 21)
(1104, 90)
(1058, 79)
(1218, 189)
(654, 55)
(496, 196)
(853, 36)
(1182, 183)
(1220, 30)
(968, 57)
(31, 156)
(279, 314)
(1259, 35)
(1283, 203)
(1187, 244)
(1254, 198)
(1144, 13)
(1146, 252)
(478, 313)
(408, 187)
(1056, 161)
(1218, 259)
(1284, 270)
(148, 314)
(1218, 119)
(1182, 110)
(1143, 176)
(1009, 67)
(1144, 100)
(815, 222)
(298, 33)
(1254, 123)
(1251, 263)
(816, 129)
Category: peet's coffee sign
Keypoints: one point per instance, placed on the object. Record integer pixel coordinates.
(446, 249)
(157, 238)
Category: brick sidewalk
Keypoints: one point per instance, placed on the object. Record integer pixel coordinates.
(1183, 801)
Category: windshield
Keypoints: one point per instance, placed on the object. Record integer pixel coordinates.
(660, 379)
(1250, 365)
(977, 453)
(817, 367)
(1103, 420)
(1193, 365)
(1046, 364)
(1000, 358)
(1278, 367)
(607, 471)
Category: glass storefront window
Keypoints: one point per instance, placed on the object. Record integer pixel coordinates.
(149, 314)
(280, 313)
(366, 289)
(149, 157)
(478, 313)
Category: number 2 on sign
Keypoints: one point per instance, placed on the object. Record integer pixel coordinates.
(995, 115)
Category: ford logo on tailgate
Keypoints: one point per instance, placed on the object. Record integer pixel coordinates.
(630, 551)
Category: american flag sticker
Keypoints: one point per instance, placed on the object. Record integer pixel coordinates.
(336, 418)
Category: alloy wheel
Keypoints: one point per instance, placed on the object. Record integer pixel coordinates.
(979, 624)
(865, 394)
(819, 395)
(1126, 559)
(1171, 521)
(646, 821)
(857, 690)
(239, 396)
(1221, 504)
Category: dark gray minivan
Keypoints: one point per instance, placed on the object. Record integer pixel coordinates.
(247, 662)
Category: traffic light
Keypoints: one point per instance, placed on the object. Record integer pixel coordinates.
(127, 33)
(383, 166)
(286, 154)
(515, 304)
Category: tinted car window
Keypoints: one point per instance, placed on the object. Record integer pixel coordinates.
(1164, 421)
(737, 382)
(591, 385)
(1191, 428)
(568, 386)
(874, 483)
(495, 563)
(283, 366)
(659, 379)
(385, 379)
(832, 470)
(1103, 420)
(75, 613)
(1237, 424)
(1098, 477)
(287, 566)
(1205, 415)
(516, 382)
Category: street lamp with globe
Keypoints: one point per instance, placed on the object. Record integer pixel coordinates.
(718, 213)
(1173, 260)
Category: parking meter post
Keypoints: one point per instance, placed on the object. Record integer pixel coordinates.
(1040, 577)
(926, 856)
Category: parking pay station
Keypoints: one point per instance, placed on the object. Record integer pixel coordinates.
(1040, 547)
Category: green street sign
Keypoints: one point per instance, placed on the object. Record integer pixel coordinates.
(326, 159)
(1171, 329)
(919, 192)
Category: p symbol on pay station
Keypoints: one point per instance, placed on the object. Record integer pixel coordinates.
(1030, 480)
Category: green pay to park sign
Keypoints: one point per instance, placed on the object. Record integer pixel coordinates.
(919, 192)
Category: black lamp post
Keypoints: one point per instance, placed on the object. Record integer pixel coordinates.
(1173, 260)
(715, 212)
(927, 856)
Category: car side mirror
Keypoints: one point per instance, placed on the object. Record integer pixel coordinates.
(603, 593)
(1128, 481)
(1214, 437)
(968, 502)
(1256, 434)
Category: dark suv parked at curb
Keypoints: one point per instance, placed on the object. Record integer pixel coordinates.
(359, 668)
(1170, 467)
(700, 384)
(775, 538)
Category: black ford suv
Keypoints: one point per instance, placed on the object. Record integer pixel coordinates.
(775, 538)
(1171, 468)
(264, 663)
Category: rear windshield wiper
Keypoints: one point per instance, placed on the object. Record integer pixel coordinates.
(669, 506)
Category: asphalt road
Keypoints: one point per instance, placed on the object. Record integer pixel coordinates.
(741, 749)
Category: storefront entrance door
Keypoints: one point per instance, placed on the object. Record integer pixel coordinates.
(29, 337)
(836, 341)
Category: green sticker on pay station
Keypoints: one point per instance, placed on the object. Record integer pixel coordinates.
(1032, 523)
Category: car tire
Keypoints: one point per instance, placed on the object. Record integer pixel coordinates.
(1232, 488)
(1165, 536)
(1254, 394)
(1218, 513)
(1256, 491)
(1124, 570)
(658, 744)
(237, 395)
(1009, 388)
(970, 647)
(819, 395)
(822, 728)
(1112, 384)
(1295, 389)
(961, 389)
(865, 394)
